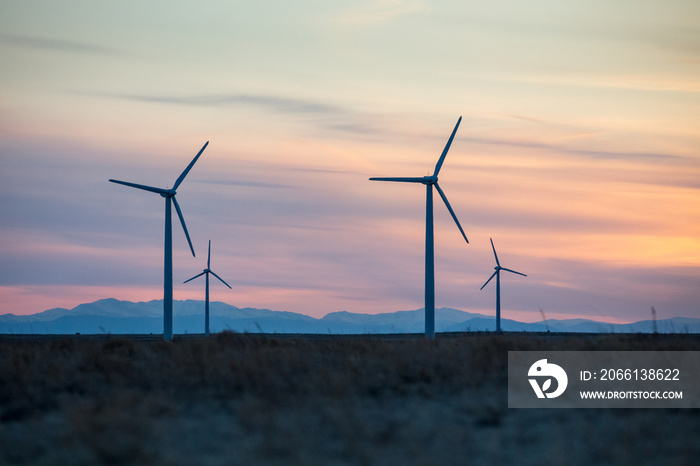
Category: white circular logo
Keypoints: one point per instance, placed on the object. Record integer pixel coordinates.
(544, 371)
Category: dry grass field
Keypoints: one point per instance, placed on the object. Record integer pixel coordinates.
(237, 399)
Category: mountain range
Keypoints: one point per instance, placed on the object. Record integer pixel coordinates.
(125, 317)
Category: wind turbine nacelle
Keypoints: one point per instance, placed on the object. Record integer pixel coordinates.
(429, 179)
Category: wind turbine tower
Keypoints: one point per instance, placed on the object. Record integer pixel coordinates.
(206, 272)
(429, 182)
(497, 274)
(169, 195)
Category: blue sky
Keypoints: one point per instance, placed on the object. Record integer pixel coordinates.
(578, 153)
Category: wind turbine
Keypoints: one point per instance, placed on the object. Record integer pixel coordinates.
(169, 195)
(206, 272)
(429, 182)
(497, 274)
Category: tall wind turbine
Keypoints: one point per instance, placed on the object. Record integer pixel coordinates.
(429, 182)
(497, 274)
(206, 272)
(169, 195)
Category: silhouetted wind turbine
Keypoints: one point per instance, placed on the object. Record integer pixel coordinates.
(206, 272)
(497, 274)
(169, 195)
(429, 182)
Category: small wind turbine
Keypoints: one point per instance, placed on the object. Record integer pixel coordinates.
(206, 272)
(429, 182)
(169, 195)
(497, 274)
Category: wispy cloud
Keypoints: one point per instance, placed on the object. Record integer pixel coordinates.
(355, 128)
(328, 117)
(631, 82)
(268, 102)
(248, 184)
(598, 154)
(56, 45)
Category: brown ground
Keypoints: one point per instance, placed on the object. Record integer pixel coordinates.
(246, 399)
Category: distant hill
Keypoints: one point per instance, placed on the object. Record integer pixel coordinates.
(120, 317)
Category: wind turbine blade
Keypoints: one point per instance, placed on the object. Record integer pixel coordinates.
(196, 276)
(141, 186)
(494, 252)
(400, 179)
(487, 281)
(209, 256)
(189, 167)
(447, 148)
(452, 212)
(513, 271)
(182, 221)
(221, 279)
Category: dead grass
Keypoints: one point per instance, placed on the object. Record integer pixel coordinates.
(248, 399)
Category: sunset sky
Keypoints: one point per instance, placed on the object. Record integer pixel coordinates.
(578, 153)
